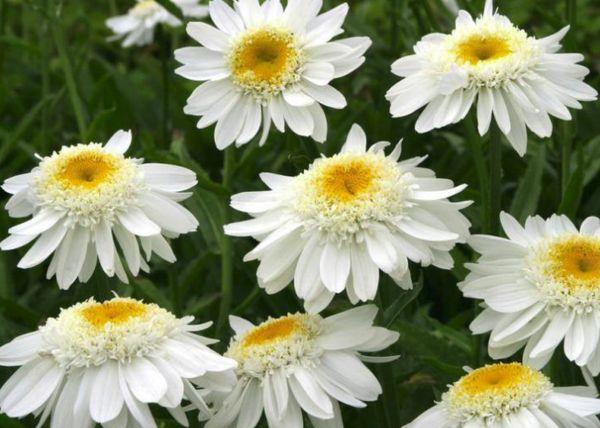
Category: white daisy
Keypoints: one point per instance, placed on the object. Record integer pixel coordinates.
(83, 196)
(302, 362)
(519, 79)
(105, 362)
(510, 396)
(136, 27)
(264, 64)
(540, 286)
(333, 227)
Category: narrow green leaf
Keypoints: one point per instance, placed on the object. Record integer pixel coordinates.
(170, 6)
(22, 126)
(208, 209)
(528, 192)
(179, 148)
(392, 312)
(14, 311)
(574, 191)
(152, 292)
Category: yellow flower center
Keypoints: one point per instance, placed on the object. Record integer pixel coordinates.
(477, 49)
(576, 262)
(266, 60)
(346, 180)
(87, 170)
(341, 194)
(271, 331)
(495, 390)
(113, 312)
(495, 378)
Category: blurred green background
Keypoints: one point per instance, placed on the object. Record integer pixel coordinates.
(55, 60)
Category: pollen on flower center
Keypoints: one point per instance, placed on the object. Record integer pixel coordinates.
(345, 181)
(91, 332)
(576, 261)
(88, 170)
(495, 390)
(490, 53)
(88, 182)
(114, 312)
(276, 343)
(476, 49)
(265, 61)
(278, 329)
(342, 193)
(566, 270)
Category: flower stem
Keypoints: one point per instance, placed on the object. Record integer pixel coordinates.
(165, 55)
(495, 180)
(564, 129)
(475, 147)
(226, 247)
(389, 417)
(71, 84)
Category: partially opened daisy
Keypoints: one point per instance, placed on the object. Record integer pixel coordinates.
(333, 227)
(518, 79)
(136, 27)
(264, 64)
(302, 362)
(541, 285)
(106, 362)
(510, 396)
(83, 197)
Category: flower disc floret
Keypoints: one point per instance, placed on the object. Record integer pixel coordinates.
(344, 193)
(492, 52)
(495, 391)
(277, 343)
(90, 333)
(266, 60)
(87, 182)
(566, 270)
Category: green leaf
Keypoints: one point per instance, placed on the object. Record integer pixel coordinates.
(22, 126)
(392, 312)
(170, 6)
(208, 209)
(13, 310)
(179, 148)
(528, 192)
(572, 196)
(151, 291)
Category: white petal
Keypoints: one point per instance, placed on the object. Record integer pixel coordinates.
(208, 36)
(119, 142)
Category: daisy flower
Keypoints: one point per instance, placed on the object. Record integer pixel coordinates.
(333, 227)
(302, 362)
(136, 27)
(518, 79)
(83, 196)
(106, 362)
(266, 64)
(540, 285)
(510, 396)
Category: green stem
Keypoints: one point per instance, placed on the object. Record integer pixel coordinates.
(394, 17)
(226, 248)
(45, 64)
(164, 58)
(475, 147)
(564, 129)
(495, 180)
(67, 67)
(564, 137)
(385, 373)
